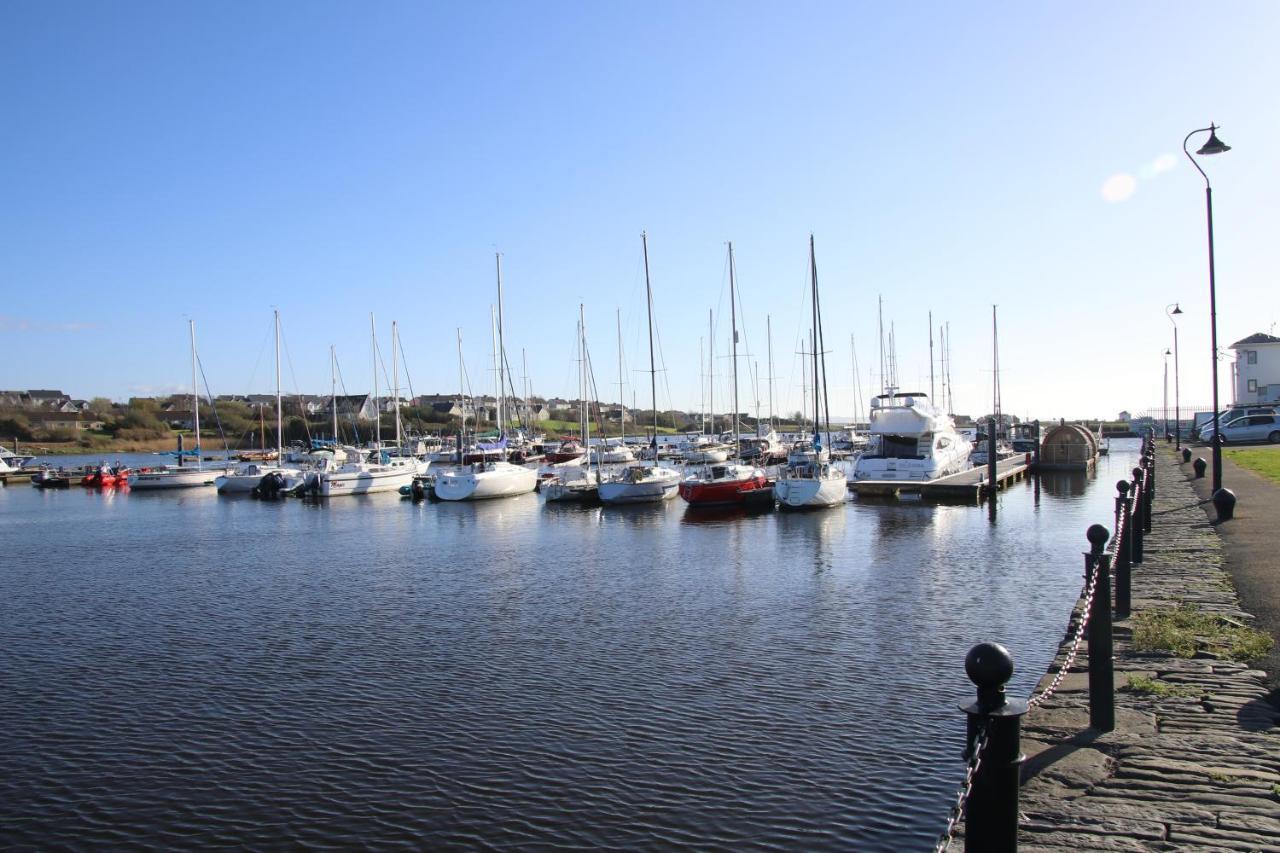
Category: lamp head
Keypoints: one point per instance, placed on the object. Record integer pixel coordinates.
(1176, 309)
(1214, 145)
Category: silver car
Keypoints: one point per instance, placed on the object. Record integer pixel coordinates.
(1247, 428)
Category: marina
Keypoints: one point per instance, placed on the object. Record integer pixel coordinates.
(371, 666)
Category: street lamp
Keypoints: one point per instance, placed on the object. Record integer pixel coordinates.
(1212, 146)
(1177, 402)
(1166, 355)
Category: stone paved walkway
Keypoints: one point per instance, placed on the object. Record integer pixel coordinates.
(1178, 773)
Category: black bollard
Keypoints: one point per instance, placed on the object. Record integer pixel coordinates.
(1121, 561)
(1148, 492)
(1124, 548)
(1186, 455)
(991, 812)
(1224, 501)
(1102, 699)
(1137, 498)
(1198, 466)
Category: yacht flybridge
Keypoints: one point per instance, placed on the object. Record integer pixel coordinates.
(911, 439)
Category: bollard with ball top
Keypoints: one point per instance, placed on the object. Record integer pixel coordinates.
(1139, 500)
(1224, 501)
(1102, 700)
(991, 812)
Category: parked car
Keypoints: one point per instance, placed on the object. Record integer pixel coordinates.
(1247, 428)
(1204, 420)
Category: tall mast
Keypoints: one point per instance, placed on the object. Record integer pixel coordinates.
(195, 393)
(502, 356)
(497, 377)
(279, 411)
(702, 389)
(395, 375)
(377, 410)
(857, 385)
(995, 366)
(813, 284)
(769, 330)
(822, 343)
(583, 418)
(951, 390)
(733, 324)
(653, 372)
(884, 377)
(622, 400)
(524, 385)
(755, 384)
(931, 397)
(711, 370)
(462, 385)
(333, 390)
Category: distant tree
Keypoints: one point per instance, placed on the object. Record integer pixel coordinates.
(14, 425)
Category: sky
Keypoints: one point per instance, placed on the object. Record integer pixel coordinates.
(165, 162)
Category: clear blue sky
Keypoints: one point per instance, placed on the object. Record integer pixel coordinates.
(160, 161)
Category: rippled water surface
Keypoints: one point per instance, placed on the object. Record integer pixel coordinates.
(182, 669)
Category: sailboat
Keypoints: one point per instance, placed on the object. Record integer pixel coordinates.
(247, 477)
(814, 483)
(578, 484)
(606, 452)
(181, 476)
(365, 472)
(639, 483)
(728, 483)
(490, 478)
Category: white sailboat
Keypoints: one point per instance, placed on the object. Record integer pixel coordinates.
(491, 478)
(248, 476)
(814, 483)
(644, 483)
(365, 472)
(181, 476)
(580, 483)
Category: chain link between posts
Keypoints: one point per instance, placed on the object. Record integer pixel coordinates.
(976, 747)
(979, 742)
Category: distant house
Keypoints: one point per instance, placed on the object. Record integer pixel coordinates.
(358, 405)
(177, 418)
(46, 399)
(261, 401)
(1124, 416)
(1257, 369)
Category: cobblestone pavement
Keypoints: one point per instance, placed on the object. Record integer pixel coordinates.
(1194, 772)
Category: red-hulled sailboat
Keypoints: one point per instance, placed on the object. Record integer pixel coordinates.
(727, 484)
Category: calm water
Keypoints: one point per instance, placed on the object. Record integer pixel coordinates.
(183, 669)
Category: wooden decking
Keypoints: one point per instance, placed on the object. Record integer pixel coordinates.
(967, 486)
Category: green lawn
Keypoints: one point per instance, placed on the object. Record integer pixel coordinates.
(1265, 461)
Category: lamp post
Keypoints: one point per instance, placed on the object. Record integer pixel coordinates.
(1166, 354)
(1177, 402)
(1212, 146)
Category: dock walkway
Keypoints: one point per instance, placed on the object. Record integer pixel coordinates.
(1191, 772)
(967, 485)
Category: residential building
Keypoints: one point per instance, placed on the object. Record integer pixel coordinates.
(1257, 369)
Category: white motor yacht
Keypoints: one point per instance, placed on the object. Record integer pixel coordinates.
(911, 439)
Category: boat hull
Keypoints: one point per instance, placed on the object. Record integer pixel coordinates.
(650, 488)
(478, 485)
(723, 492)
(810, 492)
(368, 482)
(186, 478)
(244, 481)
